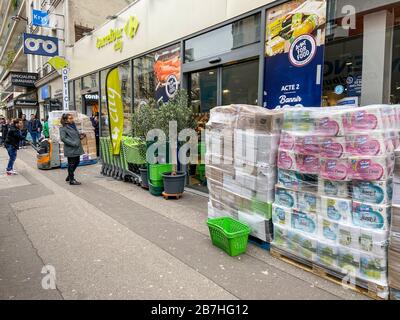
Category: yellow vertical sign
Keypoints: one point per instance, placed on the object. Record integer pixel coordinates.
(115, 109)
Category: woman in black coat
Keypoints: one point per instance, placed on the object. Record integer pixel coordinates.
(73, 150)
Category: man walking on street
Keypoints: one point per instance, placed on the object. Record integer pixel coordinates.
(12, 143)
(4, 130)
(35, 128)
(24, 131)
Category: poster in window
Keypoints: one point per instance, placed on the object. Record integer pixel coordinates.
(294, 56)
(167, 70)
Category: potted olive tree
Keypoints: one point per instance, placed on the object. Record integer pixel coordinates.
(176, 110)
(144, 119)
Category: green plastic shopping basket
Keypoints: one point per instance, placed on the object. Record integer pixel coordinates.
(229, 235)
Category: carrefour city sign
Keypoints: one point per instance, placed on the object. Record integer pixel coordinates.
(115, 36)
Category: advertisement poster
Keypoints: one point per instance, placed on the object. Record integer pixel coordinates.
(167, 70)
(295, 41)
(115, 109)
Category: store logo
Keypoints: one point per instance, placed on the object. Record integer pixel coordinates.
(40, 45)
(339, 90)
(303, 50)
(172, 86)
(115, 36)
(40, 18)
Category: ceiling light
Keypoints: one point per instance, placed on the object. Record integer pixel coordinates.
(226, 91)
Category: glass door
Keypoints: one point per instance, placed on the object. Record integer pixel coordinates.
(224, 85)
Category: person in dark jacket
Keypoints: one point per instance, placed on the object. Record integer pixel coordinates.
(24, 131)
(95, 124)
(4, 130)
(34, 128)
(12, 143)
(73, 149)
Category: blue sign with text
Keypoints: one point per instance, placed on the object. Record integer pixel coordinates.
(40, 45)
(40, 18)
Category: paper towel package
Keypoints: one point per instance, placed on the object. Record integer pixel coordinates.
(369, 216)
(335, 169)
(373, 268)
(286, 197)
(302, 244)
(308, 202)
(349, 261)
(280, 236)
(337, 209)
(304, 222)
(369, 144)
(371, 168)
(374, 242)
(332, 147)
(327, 254)
(281, 216)
(328, 230)
(375, 192)
(349, 237)
(331, 188)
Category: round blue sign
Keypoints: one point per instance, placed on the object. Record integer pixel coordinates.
(302, 50)
(339, 90)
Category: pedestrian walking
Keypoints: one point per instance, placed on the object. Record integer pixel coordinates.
(46, 131)
(12, 143)
(2, 122)
(34, 128)
(24, 131)
(95, 124)
(73, 149)
(4, 130)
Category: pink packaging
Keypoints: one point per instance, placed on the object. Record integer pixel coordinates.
(332, 147)
(329, 126)
(287, 141)
(286, 160)
(308, 164)
(363, 119)
(335, 169)
(368, 144)
(308, 145)
(371, 168)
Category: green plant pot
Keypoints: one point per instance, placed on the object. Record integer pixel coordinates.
(156, 171)
(144, 176)
(155, 191)
(174, 184)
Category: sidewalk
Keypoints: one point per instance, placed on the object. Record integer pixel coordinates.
(112, 240)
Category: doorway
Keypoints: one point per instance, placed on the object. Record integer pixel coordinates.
(90, 104)
(224, 85)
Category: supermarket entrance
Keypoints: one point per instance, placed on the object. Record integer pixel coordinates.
(235, 83)
(90, 104)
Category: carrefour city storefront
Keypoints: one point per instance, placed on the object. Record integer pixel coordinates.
(312, 53)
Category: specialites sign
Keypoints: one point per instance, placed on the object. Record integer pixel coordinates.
(23, 79)
(294, 59)
(116, 36)
(40, 45)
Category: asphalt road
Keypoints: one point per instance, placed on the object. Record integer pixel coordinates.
(112, 240)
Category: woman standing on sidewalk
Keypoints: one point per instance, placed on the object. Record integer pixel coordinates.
(71, 138)
(12, 143)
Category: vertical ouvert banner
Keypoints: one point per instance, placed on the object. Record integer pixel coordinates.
(115, 109)
(294, 56)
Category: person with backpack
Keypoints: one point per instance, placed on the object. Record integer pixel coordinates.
(12, 143)
(34, 128)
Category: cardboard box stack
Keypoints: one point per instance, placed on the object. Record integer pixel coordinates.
(242, 143)
(84, 125)
(394, 248)
(333, 197)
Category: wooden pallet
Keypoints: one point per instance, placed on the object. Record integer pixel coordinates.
(259, 243)
(363, 287)
(170, 196)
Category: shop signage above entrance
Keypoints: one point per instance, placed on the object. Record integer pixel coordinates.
(23, 79)
(25, 103)
(115, 36)
(40, 18)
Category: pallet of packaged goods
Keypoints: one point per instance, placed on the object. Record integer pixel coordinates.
(241, 144)
(334, 192)
(394, 247)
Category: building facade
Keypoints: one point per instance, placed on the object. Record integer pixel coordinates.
(312, 53)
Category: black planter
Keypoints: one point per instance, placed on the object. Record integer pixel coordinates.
(144, 176)
(174, 184)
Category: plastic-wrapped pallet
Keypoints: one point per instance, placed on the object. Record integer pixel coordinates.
(394, 248)
(84, 125)
(334, 193)
(242, 144)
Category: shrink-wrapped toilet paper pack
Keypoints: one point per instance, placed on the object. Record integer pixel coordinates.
(335, 169)
(370, 216)
(327, 254)
(371, 168)
(337, 209)
(328, 230)
(305, 222)
(281, 216)
(308, 201)
(375, 192)
(285, 197)
(331, 188)
(287, 160)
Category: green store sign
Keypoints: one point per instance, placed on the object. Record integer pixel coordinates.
(115, 36)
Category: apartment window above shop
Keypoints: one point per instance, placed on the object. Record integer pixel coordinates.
(90, 82)
(225, 39)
